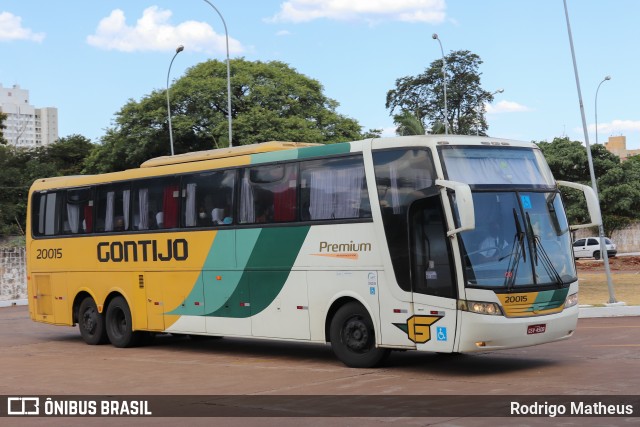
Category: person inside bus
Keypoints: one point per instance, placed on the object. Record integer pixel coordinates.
(218, 217)
(159, 219)
(203, 218)
(494, 245)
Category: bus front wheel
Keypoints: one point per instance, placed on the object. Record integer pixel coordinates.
(119, 325)
(353, 338)
(91, 323)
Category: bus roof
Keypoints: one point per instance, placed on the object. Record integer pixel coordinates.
(220, 153)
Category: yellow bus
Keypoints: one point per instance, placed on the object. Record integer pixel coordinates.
(436, 243)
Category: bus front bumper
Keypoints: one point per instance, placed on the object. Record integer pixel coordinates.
(484, 333)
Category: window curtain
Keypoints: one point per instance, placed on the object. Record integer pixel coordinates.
(73, 215)
(143, 206)
(493, 171)
(125, 207)
(321, 189)
(190, 208)
(88, 219)
(170, 206)
(108, 219)
(284, 200)
(348, 189)
(247, 207)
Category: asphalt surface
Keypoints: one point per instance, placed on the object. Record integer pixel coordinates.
(601, 359)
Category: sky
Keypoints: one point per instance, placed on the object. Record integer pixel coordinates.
(88, 58)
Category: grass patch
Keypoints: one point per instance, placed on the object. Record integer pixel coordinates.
(594, 289)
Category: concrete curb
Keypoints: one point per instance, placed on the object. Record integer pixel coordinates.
(12, 302)
(609, 310)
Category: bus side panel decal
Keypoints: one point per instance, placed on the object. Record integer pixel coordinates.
(274, 249)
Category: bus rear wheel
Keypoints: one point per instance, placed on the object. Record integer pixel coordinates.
(353, 338)
(119, 325)
(91, 323)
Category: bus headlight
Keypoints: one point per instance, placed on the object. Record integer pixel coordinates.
(480, 307)
(571, 300)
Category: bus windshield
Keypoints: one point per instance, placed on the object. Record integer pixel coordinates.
(496, 165)
(525, 243)
(522, 236)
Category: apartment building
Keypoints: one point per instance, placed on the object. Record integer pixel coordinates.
(26, 125)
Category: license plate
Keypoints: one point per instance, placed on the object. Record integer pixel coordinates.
(536, 329)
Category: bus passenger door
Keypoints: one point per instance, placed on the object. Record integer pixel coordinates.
(433, 285)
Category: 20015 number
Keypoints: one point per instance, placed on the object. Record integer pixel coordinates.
(49, 253)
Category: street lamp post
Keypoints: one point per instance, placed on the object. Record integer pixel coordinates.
(178, 50)
(596, 108)
(444, 79)
(228, 73)
(603, 247)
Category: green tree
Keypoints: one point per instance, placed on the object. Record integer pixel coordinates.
(14, 186)
(422, 96)
(19, 167)
(618, 183)
(270, 101)
(3, 117)
(408, 124)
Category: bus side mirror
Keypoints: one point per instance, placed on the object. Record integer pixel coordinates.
(592, 204)
(464, 205)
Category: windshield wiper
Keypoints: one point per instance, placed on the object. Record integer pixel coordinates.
(538, 248)
(516, 253)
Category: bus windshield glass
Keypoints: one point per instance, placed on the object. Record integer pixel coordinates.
(522, 236)
(496, 165)
(525, 242)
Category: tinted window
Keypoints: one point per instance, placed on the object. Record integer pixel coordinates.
(268, 194)
(579, 242)
(592, 242)
(156, 204)
(113, 208)
(333, 189)
(402, 177)
(208, 199)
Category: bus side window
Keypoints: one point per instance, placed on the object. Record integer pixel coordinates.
(77, 207)
(402, 177)
(156, 204)
(208, 199)
(269, 194)
(48, 206)
(334, 189)
(112, 208)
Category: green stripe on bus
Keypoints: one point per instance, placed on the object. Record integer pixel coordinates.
(265, 273)
(301, 153)
(549, 299)
(324, 150)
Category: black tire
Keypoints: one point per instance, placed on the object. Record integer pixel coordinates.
(91, 323)
(119, 326)
(596, 254)
(353, 338)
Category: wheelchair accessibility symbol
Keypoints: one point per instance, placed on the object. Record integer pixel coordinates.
(441, 333)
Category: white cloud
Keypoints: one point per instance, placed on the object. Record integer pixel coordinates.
(283, 33)
(11, 29)
(154, 32)
(616, 127)
(431, 11)
(506, 107)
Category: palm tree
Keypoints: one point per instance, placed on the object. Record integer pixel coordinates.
(408, 124)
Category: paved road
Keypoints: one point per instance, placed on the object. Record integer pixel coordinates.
(603, 358)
